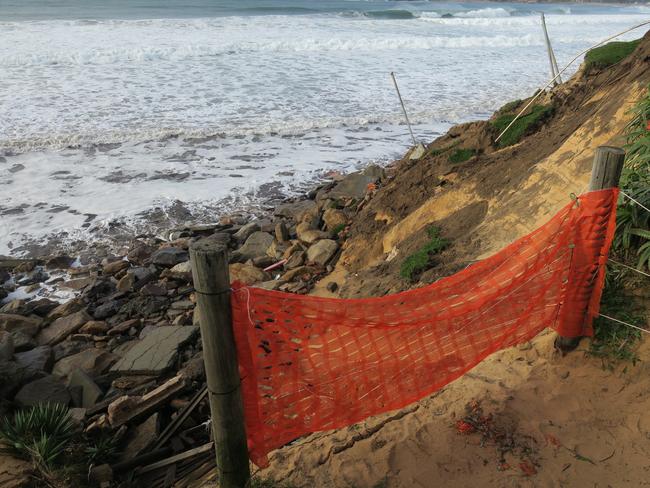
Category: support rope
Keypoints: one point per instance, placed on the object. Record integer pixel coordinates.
(625, 323)
(542, 90)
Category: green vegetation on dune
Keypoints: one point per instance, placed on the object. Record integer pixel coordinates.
(609, 54)
(526, 124)
(614, 342)
(461, 155)
(420, 260)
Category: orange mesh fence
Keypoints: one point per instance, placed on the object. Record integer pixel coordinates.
(311, 364)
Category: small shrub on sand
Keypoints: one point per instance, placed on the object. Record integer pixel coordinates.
(420, 260)
(609, 54)
(461, 155)
(526, 124)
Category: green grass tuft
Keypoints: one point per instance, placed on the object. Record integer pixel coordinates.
(509, 107)
(461, 155)
(337, 230)
(419, 261)
(614, 342)
(526, 124)
(39, 434)
(609, 54)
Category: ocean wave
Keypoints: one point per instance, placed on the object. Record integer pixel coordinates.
(483, 13)
(151, 53)
(76, 140)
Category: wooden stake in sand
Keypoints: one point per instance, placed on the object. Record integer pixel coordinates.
(605, 173)
(551, 55)
(212, 285)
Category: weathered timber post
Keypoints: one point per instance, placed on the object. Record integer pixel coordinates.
(551, 55)
(212, 284)
(605, 173)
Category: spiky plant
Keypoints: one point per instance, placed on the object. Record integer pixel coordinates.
(39, 434)
(633, 222)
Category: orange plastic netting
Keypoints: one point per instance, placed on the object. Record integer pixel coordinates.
(311, 364)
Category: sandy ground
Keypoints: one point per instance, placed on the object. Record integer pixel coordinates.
(590, 425)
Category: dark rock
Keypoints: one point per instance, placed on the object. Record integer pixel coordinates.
(142, 276)
(48, 389)
(352, 187)
(17, 323)
(140, 253)
(6, 346)
(59, 262)
(99, 288)
(154, 289)
(61, 328)
(322, 251)
(256, 245)
(115, 267)
(332, 286)
(142, 437)
(40, 307)
(144, 306)
(194, 369)
(4, 276)
(220, 237)
(296, 210)
(94, 327)
(246, 231)
(124, 327)
(68, 348)
(92, 361)
(108, 309)
(90, 392)
(33, 277)
(12, 376)
(67, 308)
(39, 359)
(182, 305)
(16, 307)
(182, 272)
(169, 256)
(281, 232)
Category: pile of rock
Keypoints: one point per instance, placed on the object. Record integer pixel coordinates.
(126, 346)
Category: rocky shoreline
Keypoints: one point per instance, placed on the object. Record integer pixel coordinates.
(115, 337)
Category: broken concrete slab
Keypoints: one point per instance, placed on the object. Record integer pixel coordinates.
(156, 352)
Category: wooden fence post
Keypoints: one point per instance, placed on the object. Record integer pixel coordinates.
(212, 284)
(605, 173)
